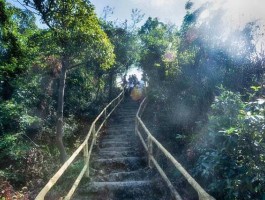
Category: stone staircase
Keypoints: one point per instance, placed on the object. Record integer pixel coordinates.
(119, 169)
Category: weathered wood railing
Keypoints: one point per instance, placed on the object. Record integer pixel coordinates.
(148, 145)
(87, 149)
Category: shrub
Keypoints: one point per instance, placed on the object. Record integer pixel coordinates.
(233, 158)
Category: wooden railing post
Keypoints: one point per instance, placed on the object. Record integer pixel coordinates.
(86, 153)
(136, 126)
(86, 159)
(94, 137)
(123, 92)
(150, 151)
(105, 117)
(203, 195)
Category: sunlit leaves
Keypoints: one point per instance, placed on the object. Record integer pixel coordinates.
(159, 56)
(76, 30)
(16, 30)
(235, 150)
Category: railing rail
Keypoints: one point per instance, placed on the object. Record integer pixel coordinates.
(105, 113)
(203, 195)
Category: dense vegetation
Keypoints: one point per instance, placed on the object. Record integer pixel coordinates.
(205, 85)
(53, 82)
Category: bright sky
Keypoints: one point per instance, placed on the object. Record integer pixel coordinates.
(171, 11)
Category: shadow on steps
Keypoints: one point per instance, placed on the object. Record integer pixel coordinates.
(119, 165)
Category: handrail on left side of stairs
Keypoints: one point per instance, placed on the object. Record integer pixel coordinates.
(87, 149)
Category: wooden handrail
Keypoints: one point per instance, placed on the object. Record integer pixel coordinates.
(203, 195)
(86, 149)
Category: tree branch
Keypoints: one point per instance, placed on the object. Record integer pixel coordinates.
(29, 7)
(76, 65)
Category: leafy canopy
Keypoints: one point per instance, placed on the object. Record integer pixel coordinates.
(76, 30)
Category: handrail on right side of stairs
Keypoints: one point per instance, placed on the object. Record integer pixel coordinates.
(203, 195)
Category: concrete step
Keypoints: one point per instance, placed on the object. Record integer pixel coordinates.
(115, 185)
(120, 134)
(117, 154)
(117, 149)
(119, 139)
(136, 175)
(114, 125)
(121, 130)
(115, 144)
(128, 190)
(119, 170)
(121, 164)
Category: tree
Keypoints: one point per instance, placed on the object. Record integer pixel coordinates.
(153, 35)
(75, 29)
(16, 28)
(126, 50)
(216, 125)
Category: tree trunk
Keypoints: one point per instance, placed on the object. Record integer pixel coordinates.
(59, 125)
(111, 74)
(98, 89)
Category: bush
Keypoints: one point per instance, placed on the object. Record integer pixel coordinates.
(233, 158)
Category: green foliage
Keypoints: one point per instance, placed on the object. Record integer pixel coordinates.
(187, 103)
(159, 53)
(16, 30)
(76, 31)
(10, 113)
(125, 45)
(31, 61)
(126, 49)
(226, 110)
(255, 88)
(232, 157)
(85, 89)
(183, 68)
